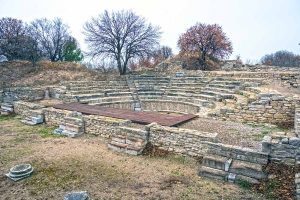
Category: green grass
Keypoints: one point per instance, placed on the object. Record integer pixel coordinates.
(6, 117)
(265, 130)
(272, 186)
(244, 184)
(46, 131)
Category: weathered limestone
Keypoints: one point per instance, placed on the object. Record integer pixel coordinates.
(181, 141)
(20, 172)
(268, 108)
(297, 121)
(23, 94)
(297, 183)
(35, 117)
(82, 195)
(32, 113)
(233, 164)
(129, 140)
(103, 126)
(6, 109)
(282, 149)
(73, 125)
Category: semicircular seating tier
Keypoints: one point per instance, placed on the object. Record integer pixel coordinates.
(186, 94)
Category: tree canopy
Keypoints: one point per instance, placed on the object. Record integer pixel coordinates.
(71, 51)
(51, 36)
(281, 58)
(121, 36)
(205, 40)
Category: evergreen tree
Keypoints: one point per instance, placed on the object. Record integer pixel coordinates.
(72, 52)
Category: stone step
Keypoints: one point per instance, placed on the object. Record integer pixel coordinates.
(102, 87)
(221, 90)
(247, 169)
(226, 82)
(229, 87)
(198, 96)
(107, 100)
(71, 134)
(213, 173)
(28, 122)
(216, 162)
(96, 102)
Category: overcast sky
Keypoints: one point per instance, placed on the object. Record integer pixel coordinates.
(255, 27)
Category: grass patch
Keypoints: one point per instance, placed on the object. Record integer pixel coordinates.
(6, 117)
(244, 184)
(46, 132)
(265, 130)
(272, 186)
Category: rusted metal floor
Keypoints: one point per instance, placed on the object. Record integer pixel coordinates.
(137, 117)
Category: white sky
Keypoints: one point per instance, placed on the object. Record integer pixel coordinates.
(255, 27)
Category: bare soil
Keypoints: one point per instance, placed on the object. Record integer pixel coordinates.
(63, 164)
(233, 133)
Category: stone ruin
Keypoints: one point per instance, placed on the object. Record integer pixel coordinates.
(230, 96)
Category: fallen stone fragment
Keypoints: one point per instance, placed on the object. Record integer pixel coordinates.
(19, 172)
(82, 195)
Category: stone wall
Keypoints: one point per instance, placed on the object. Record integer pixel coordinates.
(1, 96)
(170, 106)
(282, 149)
(181, 141)
(268, 108)
(23, 93)
(26, 108)
(103, 126)
(121, 105)
(54, 116)
(297, 183)
(297, 121)
(238, 153)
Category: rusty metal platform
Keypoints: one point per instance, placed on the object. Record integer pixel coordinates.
(137, 117)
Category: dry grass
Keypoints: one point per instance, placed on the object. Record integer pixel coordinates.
(63, 164)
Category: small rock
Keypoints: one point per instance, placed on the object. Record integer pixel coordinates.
(294, 141)
(82, 195)
(285, 141)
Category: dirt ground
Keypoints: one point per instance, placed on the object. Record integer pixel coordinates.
(63, 164)
(233, 133)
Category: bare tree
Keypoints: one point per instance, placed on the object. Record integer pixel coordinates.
(163, 52)
(51, 37)
(16, 42)
(121, 36)
(11, 33)
(282, 58)
(206, 40)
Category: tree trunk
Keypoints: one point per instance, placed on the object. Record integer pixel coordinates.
(202, 61)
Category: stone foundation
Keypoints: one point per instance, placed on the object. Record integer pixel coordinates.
(268, 108)
(282, 149)
(180, 141)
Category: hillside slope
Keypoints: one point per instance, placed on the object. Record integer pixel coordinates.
(22, 73)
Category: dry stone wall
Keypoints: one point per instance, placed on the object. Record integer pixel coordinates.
(121, 105)
(282, 149)
(26, 108)
(103, 126)
(181, 141)
(268, 108)
(23, 93)
(159, 105)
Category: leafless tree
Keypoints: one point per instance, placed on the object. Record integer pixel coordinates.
(121, 36)
(163, 52)
(51, 37)
(16, 42)
(282, 58)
